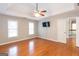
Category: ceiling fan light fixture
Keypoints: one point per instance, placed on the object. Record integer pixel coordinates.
(37, 14)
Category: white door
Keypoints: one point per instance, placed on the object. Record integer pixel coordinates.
(61, 30)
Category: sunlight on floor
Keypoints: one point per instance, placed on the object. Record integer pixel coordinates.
(13, 51)
(31, 47)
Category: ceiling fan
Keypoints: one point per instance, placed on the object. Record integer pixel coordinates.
(38, 12)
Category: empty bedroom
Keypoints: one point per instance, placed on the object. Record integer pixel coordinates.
(39, 29)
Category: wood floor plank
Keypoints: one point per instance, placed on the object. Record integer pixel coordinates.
(38, 47)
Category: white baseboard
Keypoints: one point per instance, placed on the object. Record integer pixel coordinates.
(16, 41)
(28, 38)
(53, 40)
(49, 39)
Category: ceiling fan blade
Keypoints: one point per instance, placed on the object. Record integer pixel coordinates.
(44, 11)
(42, 14)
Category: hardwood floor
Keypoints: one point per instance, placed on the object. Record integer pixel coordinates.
(39, 47)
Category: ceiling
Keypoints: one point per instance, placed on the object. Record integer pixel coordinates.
(27, 9)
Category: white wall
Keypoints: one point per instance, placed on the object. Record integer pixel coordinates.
(62, 30)
(54, 32)
(77, 32)
(22, 28)
(48, 32)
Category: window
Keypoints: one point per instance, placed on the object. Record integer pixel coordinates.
(73, 26)
(31, 28)
(12, 29)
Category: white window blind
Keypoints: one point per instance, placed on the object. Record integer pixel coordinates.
(31, 28)
(12, 29)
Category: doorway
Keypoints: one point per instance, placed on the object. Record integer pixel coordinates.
(72, 33)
